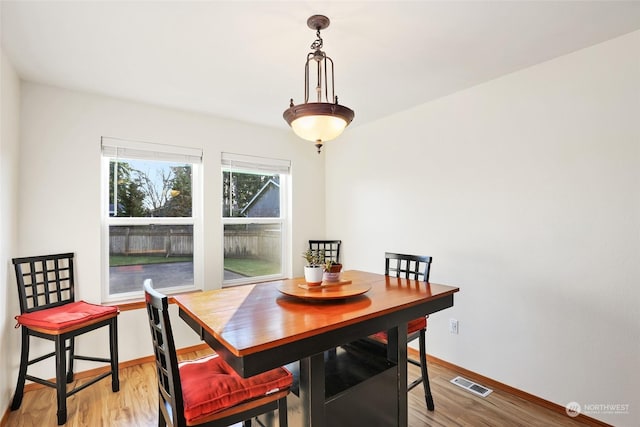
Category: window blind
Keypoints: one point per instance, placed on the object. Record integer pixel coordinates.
(127, 149)
(242, 162)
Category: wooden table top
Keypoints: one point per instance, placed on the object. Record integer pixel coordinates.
(251, 318)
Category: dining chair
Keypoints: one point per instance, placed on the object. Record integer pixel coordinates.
(417, 268)
(48, 310)
(206, 391)
(330, 248)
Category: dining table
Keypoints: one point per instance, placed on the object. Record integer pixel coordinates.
(261, 326)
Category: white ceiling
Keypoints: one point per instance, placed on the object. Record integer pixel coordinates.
(244, 60)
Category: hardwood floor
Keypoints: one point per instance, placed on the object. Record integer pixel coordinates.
(135, 405)
(458, 407)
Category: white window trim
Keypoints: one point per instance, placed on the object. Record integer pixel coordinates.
(253, 164)
(116, 147)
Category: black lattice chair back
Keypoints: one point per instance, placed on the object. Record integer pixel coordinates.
(48, 310)
(408, 266)
(330, 248)
(45, 282)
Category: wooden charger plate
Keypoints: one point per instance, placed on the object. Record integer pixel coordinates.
(328, 290)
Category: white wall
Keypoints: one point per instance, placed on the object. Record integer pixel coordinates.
(525, 190)
(59, 202)
(9, 125)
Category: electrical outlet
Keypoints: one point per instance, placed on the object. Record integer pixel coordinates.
(453, 326)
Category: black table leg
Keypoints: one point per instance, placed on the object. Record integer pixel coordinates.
(312, 391)
(397, 352)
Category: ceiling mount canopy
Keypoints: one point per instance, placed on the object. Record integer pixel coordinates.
(324, 119)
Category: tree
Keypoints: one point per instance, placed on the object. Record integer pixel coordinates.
(156, 192)
(127, 191)
(179, 202)
(169, 195)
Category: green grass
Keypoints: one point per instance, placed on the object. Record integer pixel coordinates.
(251, 267)
(119, 260)
(245, 266)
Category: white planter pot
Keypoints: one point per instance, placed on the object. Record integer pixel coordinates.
(313, 275)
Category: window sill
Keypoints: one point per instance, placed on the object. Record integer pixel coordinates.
(137, 305)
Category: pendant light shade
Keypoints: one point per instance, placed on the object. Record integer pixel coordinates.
(318, 121)
(325, 119)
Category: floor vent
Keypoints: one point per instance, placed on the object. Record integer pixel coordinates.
(471, 386)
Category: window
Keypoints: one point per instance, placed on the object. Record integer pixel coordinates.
(255, 218)
(150, 217)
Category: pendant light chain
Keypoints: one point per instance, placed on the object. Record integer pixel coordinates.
(317, 45)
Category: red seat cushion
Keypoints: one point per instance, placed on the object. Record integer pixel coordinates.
(210, 385)
(65, 316)
(413, 326)
(417, 324)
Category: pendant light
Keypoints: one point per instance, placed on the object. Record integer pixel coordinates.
(325, 119)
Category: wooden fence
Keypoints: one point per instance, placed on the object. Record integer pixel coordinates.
(178, 241)
(260, 244)
(160, 240)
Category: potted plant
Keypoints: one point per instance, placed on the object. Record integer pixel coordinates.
(332, 271)
(314, 269)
